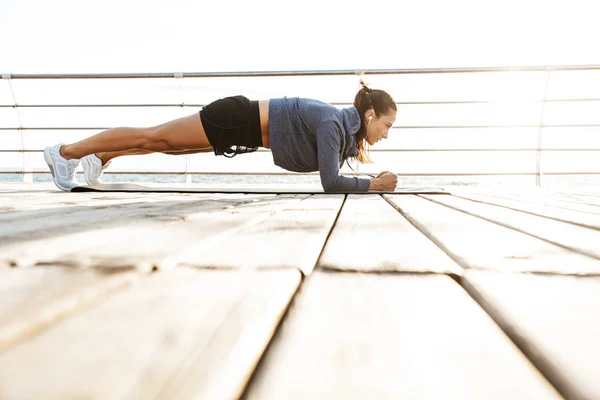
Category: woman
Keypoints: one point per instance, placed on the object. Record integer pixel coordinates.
(304, 135)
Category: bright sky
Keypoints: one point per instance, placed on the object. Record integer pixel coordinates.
(63, 36)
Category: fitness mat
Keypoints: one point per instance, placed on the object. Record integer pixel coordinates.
(262, 189)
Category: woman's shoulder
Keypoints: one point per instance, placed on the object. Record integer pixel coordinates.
(317, 103)
(320, 109)
(302, 101)
(317, 111)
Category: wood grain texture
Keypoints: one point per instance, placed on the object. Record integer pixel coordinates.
(44, 206)
(370, 235)
(476, 243)
(85, 218)
(584, 219)
(554, 201)
(359, 336)
(555, 319)
(179, 334)
(292, 238)
(583, 198)
(145, 235)
(32, 299)
(576, 238)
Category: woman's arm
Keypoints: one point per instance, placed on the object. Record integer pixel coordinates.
(328, 153)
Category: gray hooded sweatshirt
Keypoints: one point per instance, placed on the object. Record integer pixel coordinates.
(308, 135)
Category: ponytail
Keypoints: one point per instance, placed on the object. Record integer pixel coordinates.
(378, 100)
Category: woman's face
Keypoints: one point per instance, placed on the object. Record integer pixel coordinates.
(379, 127)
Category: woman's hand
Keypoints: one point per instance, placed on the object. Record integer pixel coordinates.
(384, 181)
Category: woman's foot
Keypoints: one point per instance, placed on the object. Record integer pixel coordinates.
(63, 170)
(93, 169)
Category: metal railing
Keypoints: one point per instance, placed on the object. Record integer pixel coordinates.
(27, 172)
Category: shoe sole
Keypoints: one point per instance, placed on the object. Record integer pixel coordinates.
(48, 159)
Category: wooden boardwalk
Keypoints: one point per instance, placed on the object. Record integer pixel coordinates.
(223, 296)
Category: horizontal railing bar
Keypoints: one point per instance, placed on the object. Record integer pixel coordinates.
(401, 103)
(316, 174)
(179, 173)
(394, 127)
(203, 105)
(478, 150)
(393, 150)
(99, 105)
(302, 72)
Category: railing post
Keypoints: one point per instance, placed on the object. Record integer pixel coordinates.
(179, 75)
(25, 161)
(539, 170)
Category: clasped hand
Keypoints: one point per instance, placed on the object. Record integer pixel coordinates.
(386, 180)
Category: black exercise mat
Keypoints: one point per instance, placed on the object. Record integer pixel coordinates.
(256, 188)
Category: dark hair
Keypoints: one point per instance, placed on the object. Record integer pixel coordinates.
(366, 98)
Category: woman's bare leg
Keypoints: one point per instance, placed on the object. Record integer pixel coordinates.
(107, 156)
(178, 135)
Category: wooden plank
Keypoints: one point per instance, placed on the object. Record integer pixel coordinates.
(32, 299)
(370, 235)
(25, 225)
(576, 192)
(292, 238)
(50, 211)
(572, 237)
(553, 197)
(38, 199)
(158, 234)
(583, 219)
(23, 187)
(359, 336)
(557, 202)
(43, 205)
(36, 194)
(475, 243)
(179, 334)
(79, 218)
(589, 200)
(578, 198)
(86, 220)
(555, 320)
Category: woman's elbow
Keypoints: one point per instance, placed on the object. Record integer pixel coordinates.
(330, 186)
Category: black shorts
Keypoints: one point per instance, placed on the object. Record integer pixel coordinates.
(232, 125)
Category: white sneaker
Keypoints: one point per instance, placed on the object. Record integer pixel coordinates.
(63, 170)
(93, 169)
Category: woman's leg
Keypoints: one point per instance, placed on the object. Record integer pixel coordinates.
(107, 156)
(181, 134)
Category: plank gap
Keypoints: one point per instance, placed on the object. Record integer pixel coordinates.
(534, 355)
(516, 229)
(508, 207)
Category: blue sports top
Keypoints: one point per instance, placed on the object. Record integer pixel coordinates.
(308, 135)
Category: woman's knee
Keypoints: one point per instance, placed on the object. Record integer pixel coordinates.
(153, 139)
(180, 134)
